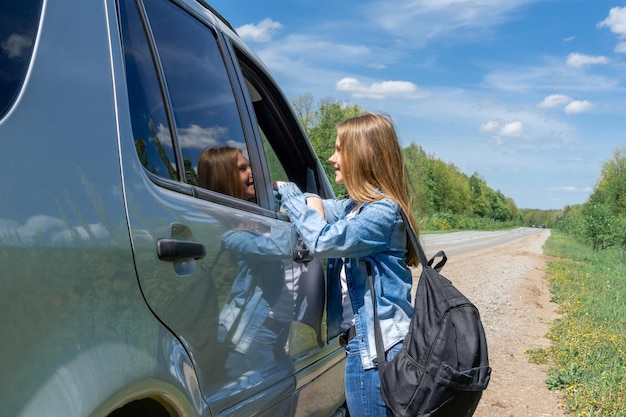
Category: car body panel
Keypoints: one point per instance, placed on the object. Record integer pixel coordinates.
(92, 318)
(72, 310)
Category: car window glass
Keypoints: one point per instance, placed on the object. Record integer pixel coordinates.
(288, 154)
(205, 112)
(276, 170)
(287, 160)
(18, 27)
(151, 130)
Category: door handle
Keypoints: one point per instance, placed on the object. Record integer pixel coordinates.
(177, 250)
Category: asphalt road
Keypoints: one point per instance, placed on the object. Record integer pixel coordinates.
(460, 242)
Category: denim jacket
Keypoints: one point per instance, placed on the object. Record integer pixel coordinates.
(376, 234)
(253, 297)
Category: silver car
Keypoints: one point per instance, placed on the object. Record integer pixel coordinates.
(129, 287)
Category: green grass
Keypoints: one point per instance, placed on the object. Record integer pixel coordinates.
(588, 349)
(449, 222)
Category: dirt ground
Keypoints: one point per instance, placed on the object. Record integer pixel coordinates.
(507, 283)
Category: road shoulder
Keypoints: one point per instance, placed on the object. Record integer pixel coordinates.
(508, 285)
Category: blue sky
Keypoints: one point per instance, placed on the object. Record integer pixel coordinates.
(528, 93)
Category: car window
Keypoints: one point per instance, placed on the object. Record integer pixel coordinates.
(18, 26)
(151, 128)
(203, 103)
(276, 170)
(289, 158)
(203, 117)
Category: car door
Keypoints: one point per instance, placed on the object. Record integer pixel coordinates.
(215, 268)
(318, 362)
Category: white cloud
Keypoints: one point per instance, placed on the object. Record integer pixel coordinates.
(43, 228)
(36, 227)
(194, 136)
(424, 20)
(577, 60)
(571, 106)
(554, 100)
(489, 126)
(513, 129)
(297, 53)
(578, 106)
(571, 189)
(16, 46)
(264, 31)
(554, 76)
(616, 21)
(96, 230)
(508, 130)
(384, 89)
(620, 48)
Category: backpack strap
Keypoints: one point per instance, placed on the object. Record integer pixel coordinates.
(413, 237)
(378, 335)
(380, 349)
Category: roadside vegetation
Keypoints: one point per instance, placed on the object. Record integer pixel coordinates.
(588, 351)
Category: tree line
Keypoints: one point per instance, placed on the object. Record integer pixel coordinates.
(601, 221)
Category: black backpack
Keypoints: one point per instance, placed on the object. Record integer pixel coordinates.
(443, 366)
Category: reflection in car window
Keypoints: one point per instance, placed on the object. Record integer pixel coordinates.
(226, 170)
(276, 170)
(151, 131)
(285, 163)
(205, 112)
(287, 153)
(18, 27)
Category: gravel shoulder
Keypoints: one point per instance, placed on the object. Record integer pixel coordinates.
(508, 285)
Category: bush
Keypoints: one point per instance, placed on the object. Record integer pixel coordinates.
(451, 221)
(588, 340)
(601, 227)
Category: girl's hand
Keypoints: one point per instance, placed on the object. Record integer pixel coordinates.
(316, 203)
(278, 184)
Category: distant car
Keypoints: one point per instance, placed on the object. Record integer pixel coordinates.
(128, 289)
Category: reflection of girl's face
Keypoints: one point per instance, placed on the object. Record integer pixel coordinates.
(245, 175)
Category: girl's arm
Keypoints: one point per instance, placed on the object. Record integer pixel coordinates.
(330, 210)
(315, 203)
(367, 233)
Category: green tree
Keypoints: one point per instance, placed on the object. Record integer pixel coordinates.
(324, 132)
(572, 222)
(611, 187)
(303, 107)
(419, 176)
(480, 205)
(605, 211)
(600, 226)
(500, 206)
(452, 189)
(514, 210)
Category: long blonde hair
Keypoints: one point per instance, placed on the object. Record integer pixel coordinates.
(372, 161)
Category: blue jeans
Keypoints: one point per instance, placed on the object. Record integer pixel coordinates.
(363, 385)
